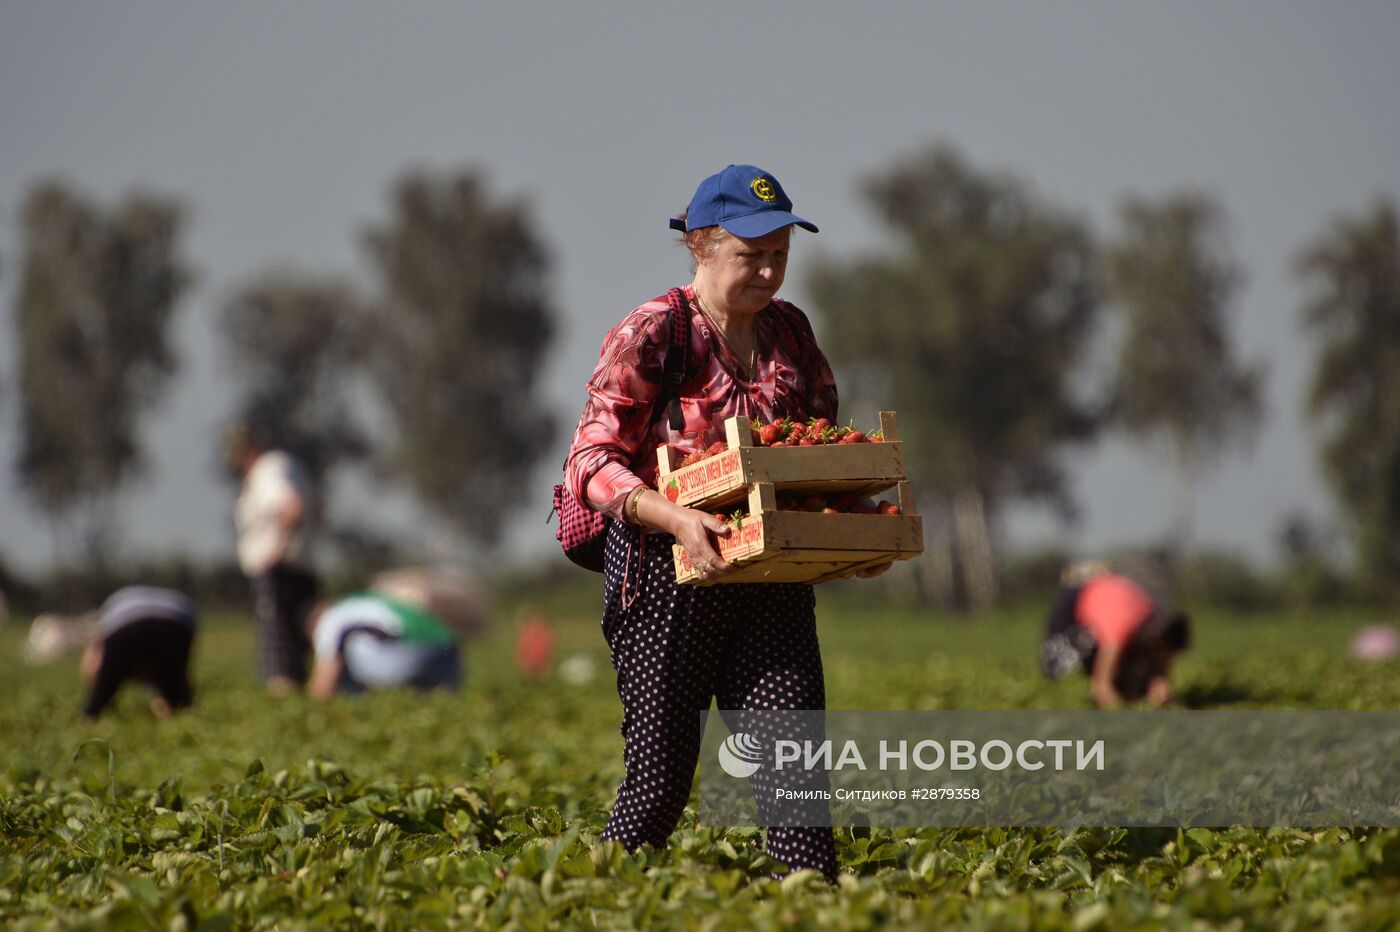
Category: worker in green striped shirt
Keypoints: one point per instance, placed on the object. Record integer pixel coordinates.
(366, 641)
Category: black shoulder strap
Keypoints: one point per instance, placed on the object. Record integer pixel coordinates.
(673, 370)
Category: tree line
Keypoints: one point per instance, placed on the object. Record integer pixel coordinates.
(976, 319)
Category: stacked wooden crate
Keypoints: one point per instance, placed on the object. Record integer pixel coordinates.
(798, 546)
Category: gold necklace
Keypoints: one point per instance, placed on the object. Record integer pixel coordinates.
(751, 372)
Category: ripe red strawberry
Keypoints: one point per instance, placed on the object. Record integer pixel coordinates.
(770, 434)
(820, 424)
(889, 508)
(854, 436)
(808, 442)
(716, 448)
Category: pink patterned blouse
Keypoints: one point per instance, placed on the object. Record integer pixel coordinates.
(614, 448)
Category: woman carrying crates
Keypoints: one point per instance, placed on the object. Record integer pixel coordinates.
(675, 648)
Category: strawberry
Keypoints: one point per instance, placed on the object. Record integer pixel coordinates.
(888, 508)
(854, 436)
(770, 434)
(808, 442)
(716, 448)
(820, 424)
(673, 491)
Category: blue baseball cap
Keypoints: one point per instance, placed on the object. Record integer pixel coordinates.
(745, 200)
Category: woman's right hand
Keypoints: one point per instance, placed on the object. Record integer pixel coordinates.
(693, 529)
(696, 530)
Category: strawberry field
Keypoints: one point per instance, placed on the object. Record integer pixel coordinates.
(484, 807)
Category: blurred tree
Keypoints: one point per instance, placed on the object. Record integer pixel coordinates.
(296, 343)
(1171, 278)
(1354, 312)
(2, 374)
(972, 326)
(459, 330)
(98, 291)
(1308, 574)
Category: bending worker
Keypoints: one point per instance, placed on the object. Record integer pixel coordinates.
(370, 641)
(144, 634)
(1112, 629)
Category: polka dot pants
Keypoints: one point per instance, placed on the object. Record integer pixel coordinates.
(677, 647)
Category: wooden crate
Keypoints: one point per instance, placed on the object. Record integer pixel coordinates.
(726, 478)
(799, 546)
(796, 546)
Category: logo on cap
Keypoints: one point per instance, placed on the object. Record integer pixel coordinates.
(763, 188)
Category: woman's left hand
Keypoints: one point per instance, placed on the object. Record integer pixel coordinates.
(870, 572)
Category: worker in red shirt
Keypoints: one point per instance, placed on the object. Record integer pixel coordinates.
(1112, 629)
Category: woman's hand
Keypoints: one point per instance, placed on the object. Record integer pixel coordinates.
(325, 674)
(693, 529)
(1107, 662)
(1159, 691)
(870, 572)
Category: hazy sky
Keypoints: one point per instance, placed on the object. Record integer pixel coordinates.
(282, 125)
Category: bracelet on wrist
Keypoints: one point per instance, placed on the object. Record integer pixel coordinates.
(635, 504)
